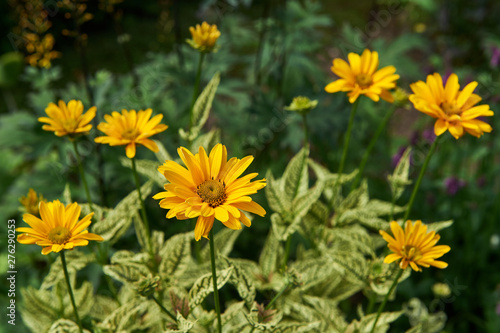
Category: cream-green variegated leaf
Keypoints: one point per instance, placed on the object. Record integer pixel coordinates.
(183, 325)
(76, 261)
(204, 286)
(137, 314)
(421, 319)
(146, 168)
(270, 255)
(175, 256)
(276, 197)
(207, 140)
(224, 242)
(364, 325)
(295, 179)
(65, 326)
(127, 267)
(399, 179)
(240, 279)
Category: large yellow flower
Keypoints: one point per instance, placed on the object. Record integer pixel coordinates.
(454, 109)
(131, 128)
(58, 229)
(204, 37)
(414, 246)
(210, 188)
(361, 77)
(31, 202)
(68, 119)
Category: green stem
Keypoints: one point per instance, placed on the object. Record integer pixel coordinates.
(393, 203)
(82, 174)
(195, 92)
(66, 276)
(143, 208)
(369, 149)
(214, 279)
(287, 252)
(347, 138)
(164, 309)
(382, 305)
(420, 177)
(371, 304)
(306, 130)
(278, 295)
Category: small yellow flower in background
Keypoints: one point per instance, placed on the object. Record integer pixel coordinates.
(210, 189)
(441, 290)
(361, 77)
(41, 50)
(31, 202)
(302, 105)
(131, 128)
(453, 108)
(401, 97)
(68, 119)
(204, 37)
(414, 246)
(58, 228)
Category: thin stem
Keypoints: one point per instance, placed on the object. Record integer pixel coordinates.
(214, 279)
(195, 91)
(393, 203)
(66, 276)
(420, 177)
(82, 174)
(278, 295)
(371, 145)
(382, 305)
(287, 252)
(164, 309)
(347, 138)
(143, 208)
(371, 304)
(306, 130)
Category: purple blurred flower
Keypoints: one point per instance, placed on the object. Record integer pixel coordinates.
(498, 308)
(396, 157)
(429, 136)
(495, 56)
(453, 185)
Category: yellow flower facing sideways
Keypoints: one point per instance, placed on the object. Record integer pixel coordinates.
(209, 188)
(414, 246)
(131, 128)
(204, 37)
(68, 119)
(361, 77)
(31, 202)
(454, 109)
(57, 228)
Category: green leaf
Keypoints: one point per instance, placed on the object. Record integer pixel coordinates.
(241, 281)
(204, 286)
(176, 256)
(162, 155)
(127, 267)
(224, 241)
(146, 168)
(314, 271)
(67, 194)
(399, 179)
(183, 325)
(295, 177)
(39, 310)
(437, 226)
(65, 326)
(207, 140)
(282, 230)
(303, 203)
(277, 200)
(138, 314)
(76, 261)
(201, 109)
(270, 254)
(118, 220)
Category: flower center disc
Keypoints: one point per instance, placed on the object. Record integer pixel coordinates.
(364, 80)
(59, 235)
(70, 125)
(410, 252)
(130, 134)
(450, 108)
(212, 192)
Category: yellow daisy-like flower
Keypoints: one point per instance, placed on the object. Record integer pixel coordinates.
(131, 128)
(31, 202)
(414, 246)
(204, 37)
(58, 229)
(454, 109)
(361, 77)
(210, 189)
(68, 119)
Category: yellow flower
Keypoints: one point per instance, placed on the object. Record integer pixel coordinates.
(58, 229)
(31, 202)
(131, 128)
(414, 246)
(454, 110)
(68, 120)
(204, 37)
(360, 77)
(210, 188)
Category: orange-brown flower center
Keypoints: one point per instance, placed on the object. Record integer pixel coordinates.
(212, 192)
(364, 80)
(130, 134)
(59, 235)
(410, 252)
(450, 108)
(70, 125)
